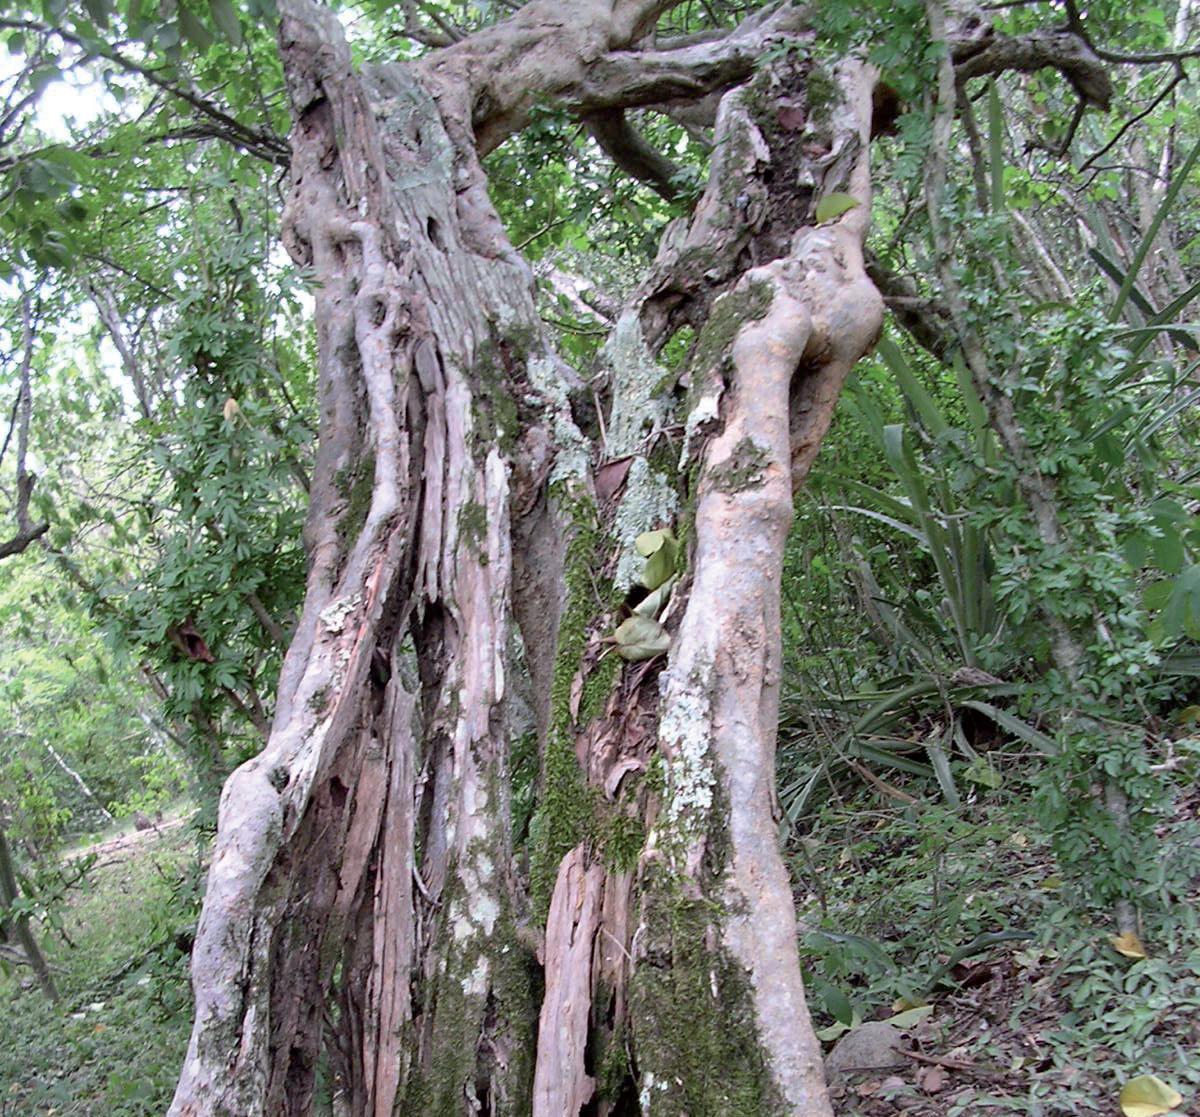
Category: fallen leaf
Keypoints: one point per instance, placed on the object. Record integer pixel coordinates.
(910, 1016)
(611, 476)
(834, 205)
(933, 1079)
(653, 603)
(650, 542)
(640, 638)
(1148, 1096)
(660, 549)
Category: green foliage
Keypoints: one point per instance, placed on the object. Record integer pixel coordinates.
(116, 1045)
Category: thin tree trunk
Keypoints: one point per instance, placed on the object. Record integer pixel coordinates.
(80, 782)
(9, 894)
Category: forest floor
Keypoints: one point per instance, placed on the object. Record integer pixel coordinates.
(113, 1045)
(1023, 1002)
(1009, 993)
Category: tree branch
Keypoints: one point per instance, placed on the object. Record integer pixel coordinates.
(1064, 50)
(259, 142)
(632, 153)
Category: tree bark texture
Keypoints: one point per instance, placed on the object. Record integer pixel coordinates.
(378, 918)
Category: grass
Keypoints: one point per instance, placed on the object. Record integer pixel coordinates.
(115, 1043)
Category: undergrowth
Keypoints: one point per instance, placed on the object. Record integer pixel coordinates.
(1028, 1005)
(114, 1044)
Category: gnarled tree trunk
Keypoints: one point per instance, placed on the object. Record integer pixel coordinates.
(471, 539)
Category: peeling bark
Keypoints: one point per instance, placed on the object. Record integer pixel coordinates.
(366, 904)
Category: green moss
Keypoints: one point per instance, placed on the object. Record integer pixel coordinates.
(621, 842)
(743, 469)
(727, 315)
(356, 485)
(821, 92)
(472, 526)
(597, 687)
(613, 1069)
(523, 773)
(687, 986)
(499, 372)
(319, 699)
(566, 810)
(684, 989)
(506, 1014)
(663, 459)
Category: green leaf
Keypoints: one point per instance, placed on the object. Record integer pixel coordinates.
(661, 551)
(940, 762)
(980, 771)
(98, 10)
(654, 603)
(650, 542)
(833, 206)
(193, 30)
(225, 17)
(996, 146)
(838, 1005)
(44, 76)
(1182, 176)
(910, 1016)
(1018, 728)
(914, 391)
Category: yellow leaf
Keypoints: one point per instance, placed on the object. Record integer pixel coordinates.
(1147, 1096)
(1189, 715)
(1051, 884)
(1128, 944)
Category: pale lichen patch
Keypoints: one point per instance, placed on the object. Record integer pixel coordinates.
(572, 451)
(638, 410)
(334, 615)
(685, 731)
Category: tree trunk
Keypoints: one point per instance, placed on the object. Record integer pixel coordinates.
(373, 916)
(20, 924)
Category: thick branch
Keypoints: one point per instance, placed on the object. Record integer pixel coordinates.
(587, 65)
(632, 153)
(1062, 50)
(923, 316)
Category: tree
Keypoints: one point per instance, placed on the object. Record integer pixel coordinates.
(510, 846)
(364, 893)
